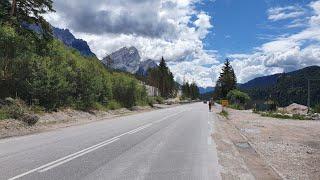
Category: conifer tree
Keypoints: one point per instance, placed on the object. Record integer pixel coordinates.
(226, 82)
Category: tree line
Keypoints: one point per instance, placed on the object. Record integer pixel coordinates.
(190, 91)
(41, 70)
(162, 78)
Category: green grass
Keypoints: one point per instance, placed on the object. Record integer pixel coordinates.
(113, 105)
(3, 115)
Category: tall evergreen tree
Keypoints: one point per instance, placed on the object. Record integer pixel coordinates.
(226, 82)
(163, 79)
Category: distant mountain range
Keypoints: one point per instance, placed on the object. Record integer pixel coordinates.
(286, 88)
(128, 60)
(68, 39)
(203, 90)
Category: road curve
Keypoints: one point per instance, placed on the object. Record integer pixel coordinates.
(172, 143)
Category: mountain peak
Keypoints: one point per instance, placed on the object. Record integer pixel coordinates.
(69, 39)
(128, 60)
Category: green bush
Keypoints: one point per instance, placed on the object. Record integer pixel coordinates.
(3, 114)
(238, 97)
(224, 113)
(317, 108)
(113, 105)
(151, 101)
(159, 100)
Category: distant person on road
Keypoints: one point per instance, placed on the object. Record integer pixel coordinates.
(210, 105)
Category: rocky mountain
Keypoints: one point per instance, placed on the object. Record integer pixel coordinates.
(128, 60)
(68, 39)
(145, 66)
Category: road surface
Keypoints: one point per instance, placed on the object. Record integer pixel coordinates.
(172, 143)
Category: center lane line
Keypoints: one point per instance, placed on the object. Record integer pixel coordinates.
(78, 155)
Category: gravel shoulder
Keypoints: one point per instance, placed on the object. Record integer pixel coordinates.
(291, 148)
(66, 118)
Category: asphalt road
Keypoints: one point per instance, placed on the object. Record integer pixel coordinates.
(166, 144)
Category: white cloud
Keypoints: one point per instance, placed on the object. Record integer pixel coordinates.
(282, 13)
(170, 28)
(175, 29)
(285, 53)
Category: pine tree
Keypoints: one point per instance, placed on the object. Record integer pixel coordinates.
(163, 79)
(226, 82)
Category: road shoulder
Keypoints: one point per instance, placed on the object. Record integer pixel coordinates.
(239, 160)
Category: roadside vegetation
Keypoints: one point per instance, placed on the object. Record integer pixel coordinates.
(162, 78)
(224, 113)
(40, 71)
(284, 116)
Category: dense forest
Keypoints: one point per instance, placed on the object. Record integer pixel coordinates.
(41, 70)
(289, 88)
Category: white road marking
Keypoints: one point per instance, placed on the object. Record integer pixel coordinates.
(169, 116)
(70, 157)
(76, 156)
(64, 158)
(139, 129)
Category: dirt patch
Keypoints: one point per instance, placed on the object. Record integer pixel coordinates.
(238, 158)
(290, 147)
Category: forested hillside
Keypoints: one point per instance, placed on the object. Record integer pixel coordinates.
(287, 88)
(41, 70)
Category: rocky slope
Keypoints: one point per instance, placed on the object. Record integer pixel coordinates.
(68, 39)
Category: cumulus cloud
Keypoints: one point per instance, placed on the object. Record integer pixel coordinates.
(175, 29)
(170, 28)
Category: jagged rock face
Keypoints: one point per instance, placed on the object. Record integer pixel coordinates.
(145, 66)
(125, 59)
(68, 39)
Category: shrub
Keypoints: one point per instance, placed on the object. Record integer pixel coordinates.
(224, 113)
(317, 108)
(159, 99)
(113, 105)
(151, 101)
(3, 114)
(238, 97)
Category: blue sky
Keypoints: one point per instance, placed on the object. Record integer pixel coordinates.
(261, 37)
(242, 25)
